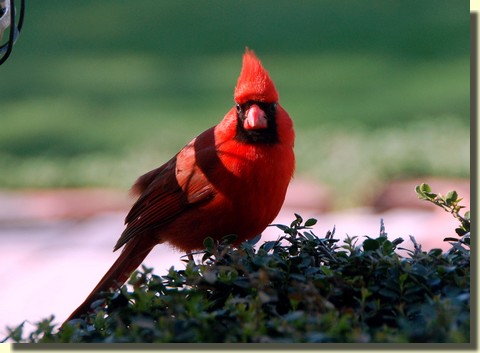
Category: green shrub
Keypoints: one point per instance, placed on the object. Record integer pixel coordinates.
(300, 288)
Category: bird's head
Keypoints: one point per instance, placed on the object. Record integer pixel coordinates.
(256, 102)
(254, 83)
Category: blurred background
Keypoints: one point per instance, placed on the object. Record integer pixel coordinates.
(97, 93)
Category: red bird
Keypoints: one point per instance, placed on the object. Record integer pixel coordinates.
(231, 179)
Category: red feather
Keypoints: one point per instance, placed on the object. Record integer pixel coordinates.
(215, 186)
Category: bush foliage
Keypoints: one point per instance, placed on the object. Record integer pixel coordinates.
(300, 288)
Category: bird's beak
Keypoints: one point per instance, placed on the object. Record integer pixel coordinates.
(255, 118)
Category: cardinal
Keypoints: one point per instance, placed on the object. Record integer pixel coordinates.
(231, 179)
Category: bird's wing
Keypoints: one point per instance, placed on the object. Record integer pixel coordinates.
(166, 192)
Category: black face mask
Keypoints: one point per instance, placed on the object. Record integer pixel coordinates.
(267, 135)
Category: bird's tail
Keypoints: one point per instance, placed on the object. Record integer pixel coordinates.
(131, 257)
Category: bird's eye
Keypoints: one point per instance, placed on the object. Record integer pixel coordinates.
(271, 108)
(239, 108)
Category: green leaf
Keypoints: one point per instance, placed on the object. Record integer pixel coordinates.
(326, 270)
(308, 235)
(388, 294)
(425, 188)
(370, 245)
(310, 222)
(282, 227)
(450, 239)
(268, 245)
(419, 270)
(397, 241)
(229, 239)
(297, 222)
(435, 252)
(388, 247)
(255, 239)
(451, 197)
(208, 243)
(420, 193)
(425, 192)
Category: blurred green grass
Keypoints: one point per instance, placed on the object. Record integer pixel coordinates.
(98, 92)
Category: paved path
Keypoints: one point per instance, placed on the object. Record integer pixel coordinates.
(50, 263)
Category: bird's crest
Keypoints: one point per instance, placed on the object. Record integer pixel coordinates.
(254, 83)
